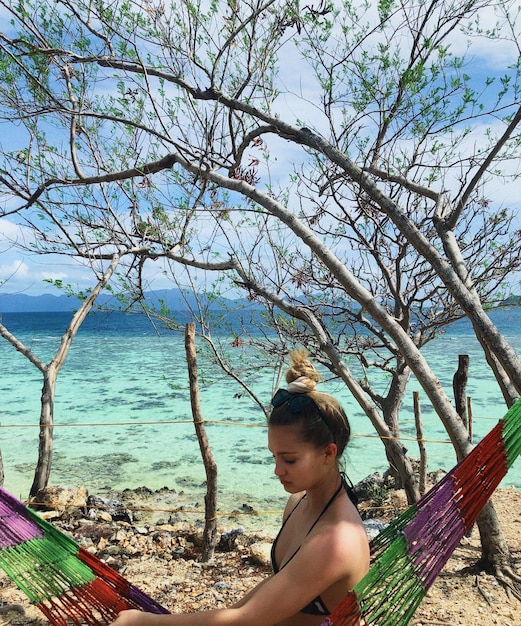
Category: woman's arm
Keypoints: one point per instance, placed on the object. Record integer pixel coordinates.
(256, 608)
(215, 617)
(319, 564)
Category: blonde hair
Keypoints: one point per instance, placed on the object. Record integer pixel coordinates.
(302, 376)
(323, 420)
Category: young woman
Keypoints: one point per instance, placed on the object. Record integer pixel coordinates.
(322, 550)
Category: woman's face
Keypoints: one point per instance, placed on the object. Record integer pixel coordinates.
(299, 465)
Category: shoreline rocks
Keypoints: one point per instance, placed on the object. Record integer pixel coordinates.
(116, 530)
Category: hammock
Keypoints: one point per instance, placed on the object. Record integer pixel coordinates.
(66, 582)
(71, 586)
(410, 553)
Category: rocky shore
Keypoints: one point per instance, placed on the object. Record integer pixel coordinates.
(159, 551)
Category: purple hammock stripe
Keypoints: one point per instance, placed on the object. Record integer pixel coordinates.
(15, 528)
(434, 533)
(145, 601)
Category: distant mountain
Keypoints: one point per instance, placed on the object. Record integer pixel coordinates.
(47, 303)
(511, 301)
(173, 299)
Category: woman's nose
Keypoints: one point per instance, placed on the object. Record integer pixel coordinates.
(279, 468)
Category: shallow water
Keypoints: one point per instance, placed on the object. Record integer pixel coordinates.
(123, 416)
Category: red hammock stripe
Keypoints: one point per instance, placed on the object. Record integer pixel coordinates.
(86, 605)
(131, 593)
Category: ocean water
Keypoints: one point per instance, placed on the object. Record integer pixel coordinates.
(123, 416)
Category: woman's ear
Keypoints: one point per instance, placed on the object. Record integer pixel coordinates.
(331, 452)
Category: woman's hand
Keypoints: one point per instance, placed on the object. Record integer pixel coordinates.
(131, 617)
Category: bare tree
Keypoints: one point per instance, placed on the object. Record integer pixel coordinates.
(210, 466)
(167, 132)
(50, 373)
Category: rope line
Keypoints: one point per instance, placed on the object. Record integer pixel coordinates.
(85, 424)
(145, 509)
(219, 422)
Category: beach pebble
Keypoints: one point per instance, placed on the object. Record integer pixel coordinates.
(228, 540)
(261, 553)
(373, 527)
(221, 585)
(100, 507)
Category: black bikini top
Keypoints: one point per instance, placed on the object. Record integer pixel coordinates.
(316, 606)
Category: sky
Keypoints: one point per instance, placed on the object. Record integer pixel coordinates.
(24, 272)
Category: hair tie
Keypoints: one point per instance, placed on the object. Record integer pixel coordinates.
(302, 384)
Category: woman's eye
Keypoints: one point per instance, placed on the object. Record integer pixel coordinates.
(286, 461)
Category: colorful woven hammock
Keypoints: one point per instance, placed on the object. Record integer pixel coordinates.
(410, 553)
(66, 582)
(72, 586)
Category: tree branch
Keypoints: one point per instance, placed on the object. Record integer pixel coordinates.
(462, 203)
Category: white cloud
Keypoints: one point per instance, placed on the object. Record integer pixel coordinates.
(53, 275)
(15, 269)
(491, 52)
(9, 231)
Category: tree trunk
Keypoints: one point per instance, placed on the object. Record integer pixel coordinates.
(210, 499)
(391, 403)
(496, 557)
(402, 472)
(1, 470)
(43, 467)
(494, 547)
(505, 384)
(422, 473)
(459, 387)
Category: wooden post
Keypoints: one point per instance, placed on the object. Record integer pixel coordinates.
(469, 413)
(210, 499)
(421, 445)
(459, 387)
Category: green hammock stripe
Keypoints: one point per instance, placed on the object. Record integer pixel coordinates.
(388, 535)
(41, 568)
(394, 576)
(512, 433)
(55, 535)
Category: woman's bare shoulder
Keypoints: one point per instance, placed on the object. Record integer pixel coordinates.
(292, 502)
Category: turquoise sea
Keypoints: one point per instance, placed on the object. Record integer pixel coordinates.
(123, 417)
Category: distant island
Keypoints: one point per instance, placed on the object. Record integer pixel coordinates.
(173, 299)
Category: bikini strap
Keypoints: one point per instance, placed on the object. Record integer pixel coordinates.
(291, 512)
(331, 500)
(350, 490)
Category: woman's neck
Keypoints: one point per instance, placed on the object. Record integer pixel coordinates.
(318, 495)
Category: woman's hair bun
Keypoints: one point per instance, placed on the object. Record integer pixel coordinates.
(321, 421)
(302, 377)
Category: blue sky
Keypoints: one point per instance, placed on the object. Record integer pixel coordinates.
(24, 272)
